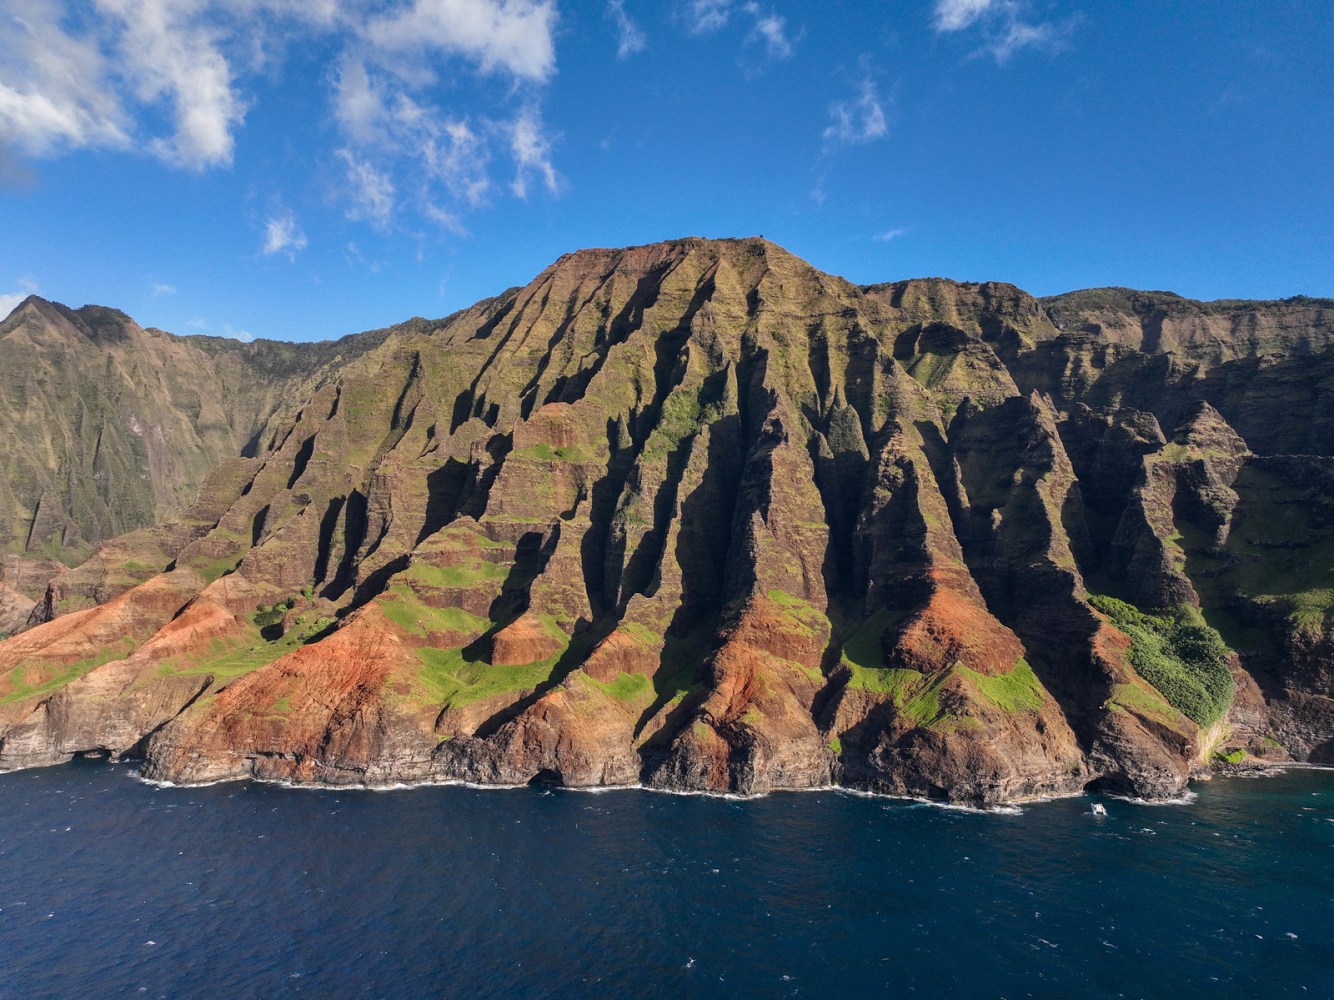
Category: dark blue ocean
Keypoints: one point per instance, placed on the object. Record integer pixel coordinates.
(111, 887)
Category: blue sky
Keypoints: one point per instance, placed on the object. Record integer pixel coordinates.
(302, 169)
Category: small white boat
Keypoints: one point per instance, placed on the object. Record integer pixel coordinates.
(1098, 809)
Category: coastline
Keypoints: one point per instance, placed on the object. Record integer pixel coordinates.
(1008, 807)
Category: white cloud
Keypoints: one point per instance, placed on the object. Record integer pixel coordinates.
(514, 35)
(1016, 35)
(10, 302)
(170, 78)
(372, 192)
(859, 120)
(704, 16)
(244, 336)
(129, 61)
(53, 94)
(1003, 25)
(889, 234)
(171, 53)
(532, 153)
(449, 150)
(403, 148)
(955, 15)
(197, 323)
(443, 161)
(631, 38)
(283, 235)
(158, 291)
(771, 29)
(358, 106)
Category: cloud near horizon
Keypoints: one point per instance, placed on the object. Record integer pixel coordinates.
(11, 301)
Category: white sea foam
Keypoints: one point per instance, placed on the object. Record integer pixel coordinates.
(1182, 800)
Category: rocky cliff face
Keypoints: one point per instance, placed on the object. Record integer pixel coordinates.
(111, 427)
(698, 516)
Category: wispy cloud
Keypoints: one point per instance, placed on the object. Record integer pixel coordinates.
(853, 121)
(244, 336)
(532, 153)
(860, 119)
(630, 36)
(159, 291)
(889, 234)
(283, 235)
(403, 149)
(955, 15)
(704, 16)
(771, 30)
(370, 190)
(1005, 26)
(768, 29)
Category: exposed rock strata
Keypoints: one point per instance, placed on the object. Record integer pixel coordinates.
(698, 516)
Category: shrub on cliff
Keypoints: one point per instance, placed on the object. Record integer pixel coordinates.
(1187, 661)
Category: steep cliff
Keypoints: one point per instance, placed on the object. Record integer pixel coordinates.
(698, 516)
(111, 427)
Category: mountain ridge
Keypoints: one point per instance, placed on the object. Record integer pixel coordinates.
(698, 516)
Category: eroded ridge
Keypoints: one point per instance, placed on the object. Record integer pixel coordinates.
(698, 516)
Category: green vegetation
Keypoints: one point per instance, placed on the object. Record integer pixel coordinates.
(546, 453)
(641, 634)
(801, 612)
(449, 678)
(468, 574)
(681, 416)
(267, 615)
(21, 688)
(835, 745)
(625, 687)
(677, 676)
(1142, 700)
(1233, 757)
(915, 697)
(931, 369)
(885, 680)
(863, 646)
(404, 608)
(1278, 555)
(229, 660)
(455, 677)
(1016, 691)
(213, 569)
(1185, 660)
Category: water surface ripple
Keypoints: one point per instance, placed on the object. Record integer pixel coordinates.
(110, 887)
